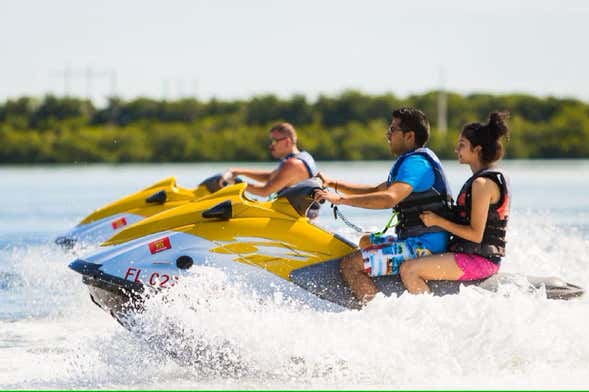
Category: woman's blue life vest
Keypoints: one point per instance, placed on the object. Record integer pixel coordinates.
(492, 246)
(437, 199)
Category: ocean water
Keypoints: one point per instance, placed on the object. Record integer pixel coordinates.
(218, 332)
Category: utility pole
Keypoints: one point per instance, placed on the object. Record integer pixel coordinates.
(195, 88)
(442, 104)
(179, 88)
(165, 89)
(66, 74)
(88, 74)
(67, 81)
(114, 102)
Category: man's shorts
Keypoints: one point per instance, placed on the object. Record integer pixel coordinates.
(386, 254)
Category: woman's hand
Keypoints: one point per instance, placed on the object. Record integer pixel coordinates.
(331, 197)
(430, 219)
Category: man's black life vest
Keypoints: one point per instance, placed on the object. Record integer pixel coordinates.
(492, 246)
(437, 199)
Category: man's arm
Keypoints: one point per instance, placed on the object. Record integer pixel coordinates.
(388, 198)
(257, 175)
(349, 188)
(291, 172)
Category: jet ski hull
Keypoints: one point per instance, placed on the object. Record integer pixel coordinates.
(325, 281)
(107, 221)
(97, 231)
(119, 296)
(114, 295)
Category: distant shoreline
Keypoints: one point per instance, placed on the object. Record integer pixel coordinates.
(4, 165)
(347, 127)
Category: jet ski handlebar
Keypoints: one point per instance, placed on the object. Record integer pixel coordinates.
(216, 182)
(302, 195)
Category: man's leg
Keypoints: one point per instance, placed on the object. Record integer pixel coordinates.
(380, 259)
(352, 270)
(416, 272)
(368, 240)
(364, 241)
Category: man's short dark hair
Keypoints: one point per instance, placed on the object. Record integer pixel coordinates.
(411, 119)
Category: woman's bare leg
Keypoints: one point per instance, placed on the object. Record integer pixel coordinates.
(416, 272)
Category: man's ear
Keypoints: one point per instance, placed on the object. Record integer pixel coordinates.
(409, 137)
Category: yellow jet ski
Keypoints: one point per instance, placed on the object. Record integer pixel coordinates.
(227, 227)
(114, 217)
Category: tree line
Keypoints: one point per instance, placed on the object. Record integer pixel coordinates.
(349, 126)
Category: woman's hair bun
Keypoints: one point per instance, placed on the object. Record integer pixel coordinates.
(497, 125)
(488, 136)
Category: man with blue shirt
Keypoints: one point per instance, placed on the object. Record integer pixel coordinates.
(415, 183)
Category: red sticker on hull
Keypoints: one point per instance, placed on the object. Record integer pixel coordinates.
(160, 245)
(119, 223)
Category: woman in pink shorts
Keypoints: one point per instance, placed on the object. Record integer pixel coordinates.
(480, 219)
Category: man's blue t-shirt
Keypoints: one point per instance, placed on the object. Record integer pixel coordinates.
(419, 173)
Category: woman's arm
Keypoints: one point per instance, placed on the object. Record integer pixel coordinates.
(484, 191)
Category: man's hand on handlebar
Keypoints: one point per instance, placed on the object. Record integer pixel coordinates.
(227, 178)
(334, 198)
(326, 180)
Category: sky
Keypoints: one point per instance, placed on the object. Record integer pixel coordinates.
(237, 49)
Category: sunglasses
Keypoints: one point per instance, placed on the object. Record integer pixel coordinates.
(391, 130)
(274, 141)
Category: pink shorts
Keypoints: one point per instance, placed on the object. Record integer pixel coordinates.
(475, 267)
